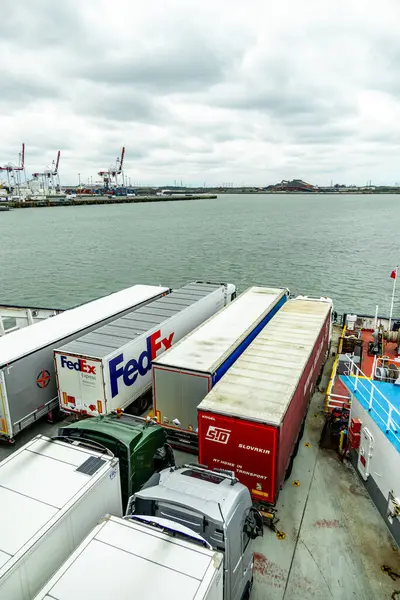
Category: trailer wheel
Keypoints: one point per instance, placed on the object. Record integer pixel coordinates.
(54, 416)
(319, 378)
(290, 468)
(296, 448)
(141, 405)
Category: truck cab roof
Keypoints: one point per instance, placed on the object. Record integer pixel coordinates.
(126, 429)
(210, 493)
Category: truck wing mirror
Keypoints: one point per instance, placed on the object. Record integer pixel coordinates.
(170, 456)
(254, 524)
(164, 458)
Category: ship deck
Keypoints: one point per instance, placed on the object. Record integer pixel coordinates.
(385, 398)
(339, 392)
(333, 541)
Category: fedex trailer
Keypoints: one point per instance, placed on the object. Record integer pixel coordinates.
(110, 368)
(183, 375)
(28, 388)
(52, 494)
(251, 421)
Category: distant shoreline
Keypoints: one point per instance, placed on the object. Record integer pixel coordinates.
(319, 193)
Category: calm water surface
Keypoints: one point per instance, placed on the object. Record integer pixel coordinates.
(344, 247)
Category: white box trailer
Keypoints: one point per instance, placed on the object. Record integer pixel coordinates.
(184, 375)
(28, 389)
(52, 494)
(110, 368)
(125, 559)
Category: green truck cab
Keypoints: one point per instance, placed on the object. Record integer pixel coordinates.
(139, 444)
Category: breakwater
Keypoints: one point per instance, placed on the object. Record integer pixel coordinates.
(90, 200)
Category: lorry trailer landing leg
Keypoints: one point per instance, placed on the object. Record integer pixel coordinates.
(268, 514)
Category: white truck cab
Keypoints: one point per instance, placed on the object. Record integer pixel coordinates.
(214, 506)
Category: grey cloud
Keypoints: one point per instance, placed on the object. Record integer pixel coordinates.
(40, 23)
(20, 91)
(162, 68)
(386, 59)
(121, 104)
(325, 134)
(273, 100)
(299, 105)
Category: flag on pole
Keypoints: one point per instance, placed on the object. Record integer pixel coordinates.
(393, 275)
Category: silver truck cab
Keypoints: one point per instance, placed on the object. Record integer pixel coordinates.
(215, 506)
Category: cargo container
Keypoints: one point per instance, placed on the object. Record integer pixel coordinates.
(251, 421)
(125, 559)
(110, 368)
(52, 494)
(28, 388)
(139, 444)
(184, 375)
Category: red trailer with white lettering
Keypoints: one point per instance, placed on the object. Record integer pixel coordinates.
(251, 422)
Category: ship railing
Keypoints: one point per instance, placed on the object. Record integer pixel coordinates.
(377, 403)
(332, 399)
(13, 318)
(370, 322)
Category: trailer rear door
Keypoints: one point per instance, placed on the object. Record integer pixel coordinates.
(246, 447)
(80, 384)
(5, 426)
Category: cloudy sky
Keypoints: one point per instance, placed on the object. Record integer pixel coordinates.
(208, 91)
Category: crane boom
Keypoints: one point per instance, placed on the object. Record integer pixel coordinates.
(57, 163)
(11, 167)
(121, 159)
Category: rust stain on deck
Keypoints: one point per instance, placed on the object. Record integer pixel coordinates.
(328, 524)
(357, 490)
(264, 567)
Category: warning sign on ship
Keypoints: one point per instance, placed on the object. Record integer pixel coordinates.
(43, 379)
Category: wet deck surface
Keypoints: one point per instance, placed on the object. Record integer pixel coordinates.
(335, 542)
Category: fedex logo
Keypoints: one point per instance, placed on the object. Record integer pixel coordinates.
(140, 366)
(79, 365)
(216, 434)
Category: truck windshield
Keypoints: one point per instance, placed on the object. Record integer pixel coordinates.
(173, 532)
(207, 528)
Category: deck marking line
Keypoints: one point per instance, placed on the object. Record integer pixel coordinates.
(300, 526)
(317, 565)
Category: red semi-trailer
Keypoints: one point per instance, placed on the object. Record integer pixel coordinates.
(251, 421)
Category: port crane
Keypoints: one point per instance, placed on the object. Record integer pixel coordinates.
(111, 175)
(14, 171)
(50, 176)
